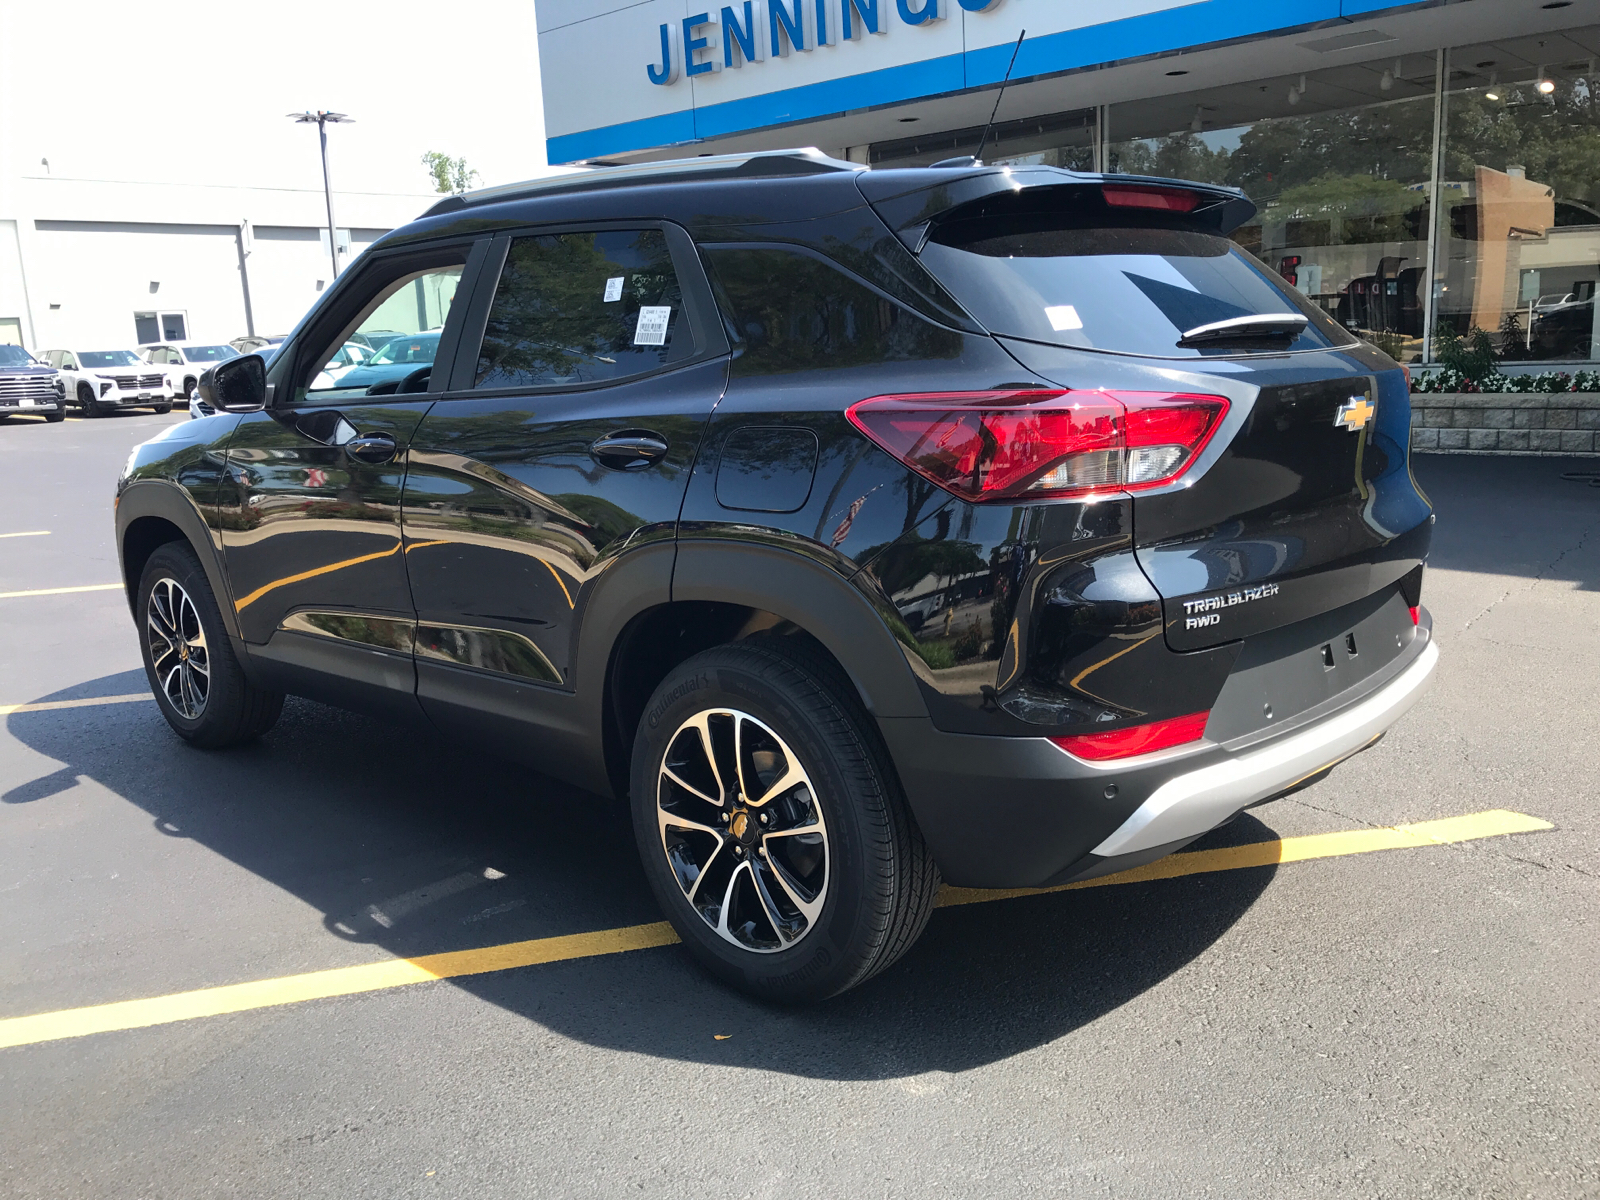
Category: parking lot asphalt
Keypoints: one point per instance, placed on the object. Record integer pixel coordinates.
(1415, 1021)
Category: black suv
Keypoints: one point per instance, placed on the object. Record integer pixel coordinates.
(861, 527)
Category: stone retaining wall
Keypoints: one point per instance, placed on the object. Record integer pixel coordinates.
(1553, 423)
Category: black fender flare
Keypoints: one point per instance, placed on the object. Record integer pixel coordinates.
(167, 501)
(815, 598)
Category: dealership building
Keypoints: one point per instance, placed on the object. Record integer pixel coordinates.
(101, 264)
(1426, 168)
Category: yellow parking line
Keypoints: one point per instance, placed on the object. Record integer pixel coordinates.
(93, 587)
(29, 533)
(379, 976)
(46, 705)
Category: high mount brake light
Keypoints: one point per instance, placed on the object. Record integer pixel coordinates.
(1039, 445)
(1158, 199)
(1136, 739)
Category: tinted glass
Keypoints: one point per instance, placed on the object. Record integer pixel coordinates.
(799, 313)
(14, 356)
(1130, 289)
(583, 307)
(407, 317)
(204, 354)
(110, 358)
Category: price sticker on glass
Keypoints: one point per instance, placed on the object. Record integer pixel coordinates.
(652, 327)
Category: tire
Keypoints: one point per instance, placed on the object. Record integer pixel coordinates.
(163, 409)
(56, 417)
(188, 389)
(87, 404)
(857, 883)
(197, 681)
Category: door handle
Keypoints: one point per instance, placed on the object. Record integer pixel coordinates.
(629, 449)
(373, 448)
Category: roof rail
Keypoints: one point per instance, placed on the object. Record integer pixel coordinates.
(806, 161)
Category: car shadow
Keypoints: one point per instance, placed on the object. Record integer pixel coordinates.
(1504, 515)
(403, 840)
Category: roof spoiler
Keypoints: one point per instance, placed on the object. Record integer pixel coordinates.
(911, 203)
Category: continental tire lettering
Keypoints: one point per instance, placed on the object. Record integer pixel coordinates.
(696, 683)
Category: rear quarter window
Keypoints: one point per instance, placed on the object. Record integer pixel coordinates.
(796, 312)
(1129, 289)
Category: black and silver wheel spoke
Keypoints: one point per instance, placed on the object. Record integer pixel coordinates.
(177, 643)
(742, 830)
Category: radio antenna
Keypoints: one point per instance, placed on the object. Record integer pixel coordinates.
(977, 158)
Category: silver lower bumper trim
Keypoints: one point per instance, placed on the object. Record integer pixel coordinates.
(1191, 804)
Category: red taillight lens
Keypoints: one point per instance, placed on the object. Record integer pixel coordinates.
(1158, 198)
(1136, 739)
(1415, 619)
(1037, 444)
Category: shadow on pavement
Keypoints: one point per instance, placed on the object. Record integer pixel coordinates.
(1510, 515)
(418, 846)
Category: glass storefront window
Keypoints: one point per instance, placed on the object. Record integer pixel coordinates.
(1338, 163)
(1064, 139)
(1519, 257)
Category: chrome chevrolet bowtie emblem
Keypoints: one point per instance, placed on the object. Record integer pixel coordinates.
(1354, 413)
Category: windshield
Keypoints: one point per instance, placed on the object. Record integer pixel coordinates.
(205, 354)
(16, 356)
(1126, 288)
(418, 349)
(110, 358)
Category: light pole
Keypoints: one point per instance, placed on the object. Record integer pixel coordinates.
(322, 120)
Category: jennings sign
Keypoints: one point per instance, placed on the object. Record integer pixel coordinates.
(755, 30)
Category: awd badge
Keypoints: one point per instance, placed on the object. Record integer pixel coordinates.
(1354, 414)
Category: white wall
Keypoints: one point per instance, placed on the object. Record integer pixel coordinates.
(90, 250)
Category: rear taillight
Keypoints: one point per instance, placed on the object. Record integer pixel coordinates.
(1136, 739)
(1158, 199)
(1042, 444)
(1415, 618)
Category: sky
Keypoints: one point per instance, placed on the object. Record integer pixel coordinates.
(197, 92)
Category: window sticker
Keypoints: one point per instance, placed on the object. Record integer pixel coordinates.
(652, 327)
(614, 288)
(1063, 316)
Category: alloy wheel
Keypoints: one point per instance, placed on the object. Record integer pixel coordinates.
(178, 651)
(743, 830)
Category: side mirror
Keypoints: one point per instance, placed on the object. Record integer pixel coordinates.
(238, 385)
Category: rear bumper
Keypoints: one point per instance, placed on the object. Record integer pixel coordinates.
(1197, 801)
(1019, 812)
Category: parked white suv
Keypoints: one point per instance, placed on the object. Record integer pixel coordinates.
(184, 362)
(101, 381)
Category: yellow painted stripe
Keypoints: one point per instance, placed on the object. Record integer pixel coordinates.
(562, 583)
(316, 985)
(29, 533)
(46, 705)
(93, 587)
(371, 977)
(241, 605)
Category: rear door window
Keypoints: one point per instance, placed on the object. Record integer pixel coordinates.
(576, 308)
(1127, 288)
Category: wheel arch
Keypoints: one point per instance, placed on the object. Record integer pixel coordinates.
(153, 513)
(727, 591)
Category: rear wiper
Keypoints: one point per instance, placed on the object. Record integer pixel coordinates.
(1241, 329)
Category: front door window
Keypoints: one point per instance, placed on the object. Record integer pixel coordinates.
(390, 348)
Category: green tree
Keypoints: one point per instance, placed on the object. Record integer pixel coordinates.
(450, 175)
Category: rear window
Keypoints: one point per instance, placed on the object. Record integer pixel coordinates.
(1130, 289)
(798, 312)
